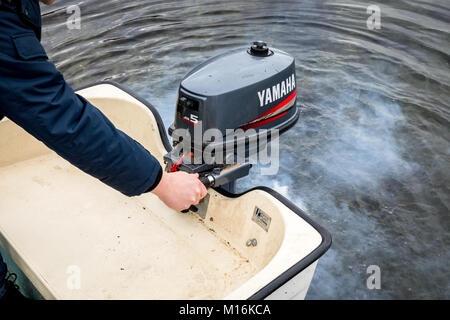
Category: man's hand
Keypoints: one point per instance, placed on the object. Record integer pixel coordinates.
(179, 190)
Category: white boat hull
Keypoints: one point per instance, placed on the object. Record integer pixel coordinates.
(76, 238)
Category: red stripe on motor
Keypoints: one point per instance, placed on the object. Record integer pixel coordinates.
(189, 122)
(281, 105)
(263, 122)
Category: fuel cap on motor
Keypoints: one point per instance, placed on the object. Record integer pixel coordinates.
(260, 49)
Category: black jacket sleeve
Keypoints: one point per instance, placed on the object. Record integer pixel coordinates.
(35, 95)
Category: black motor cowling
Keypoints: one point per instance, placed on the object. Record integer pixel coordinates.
(245, 88)
(245, 95)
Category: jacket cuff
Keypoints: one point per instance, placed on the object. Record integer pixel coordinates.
(157, 180)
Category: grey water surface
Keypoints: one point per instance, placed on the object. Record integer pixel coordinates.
(369, 158)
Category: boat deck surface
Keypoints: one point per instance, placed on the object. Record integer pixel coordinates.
(68, 227)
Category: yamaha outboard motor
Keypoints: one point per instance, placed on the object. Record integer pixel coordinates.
(241, 94)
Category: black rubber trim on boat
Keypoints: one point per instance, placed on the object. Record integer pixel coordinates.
(296, 268)
(302, 264)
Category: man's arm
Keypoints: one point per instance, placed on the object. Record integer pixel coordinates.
(40, 101)
(35, 95)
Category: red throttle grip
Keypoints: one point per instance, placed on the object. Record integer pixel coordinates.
(175, 166)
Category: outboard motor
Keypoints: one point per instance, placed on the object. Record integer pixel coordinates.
(242, 95)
